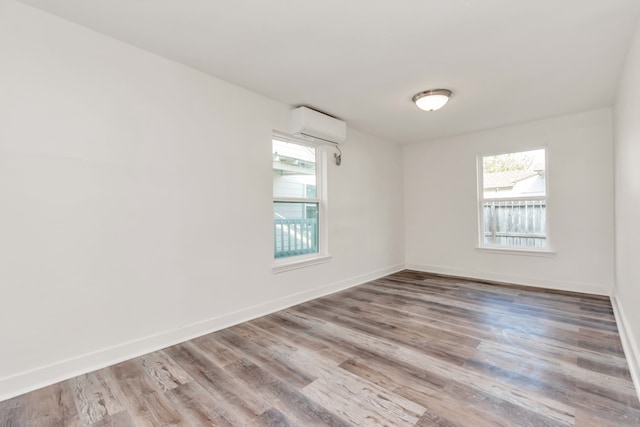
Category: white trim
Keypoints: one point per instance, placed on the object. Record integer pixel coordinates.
(629, 344)
(43, 376)
(305, 139)
(560, 285)
(510, 250)
(292, 263)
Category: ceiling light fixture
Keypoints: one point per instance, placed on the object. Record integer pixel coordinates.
(432, 100)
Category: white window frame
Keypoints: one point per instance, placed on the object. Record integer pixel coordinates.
(322, 256)
(506, 249)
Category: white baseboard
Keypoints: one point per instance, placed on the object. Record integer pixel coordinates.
(629, 344)
(558, 285)
(43, 376)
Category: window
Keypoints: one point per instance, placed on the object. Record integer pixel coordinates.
(297, 199)
(513, 200)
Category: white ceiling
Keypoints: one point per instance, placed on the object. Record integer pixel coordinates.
(507, 61)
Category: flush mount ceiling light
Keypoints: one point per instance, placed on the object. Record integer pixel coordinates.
(432, 100)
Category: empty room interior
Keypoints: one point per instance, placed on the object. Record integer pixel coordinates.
(295, 213)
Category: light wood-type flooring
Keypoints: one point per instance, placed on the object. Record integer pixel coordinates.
(410, 349)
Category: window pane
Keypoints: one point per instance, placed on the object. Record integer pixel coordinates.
(516, 223)
(514, 174)
(294, 170)
(295, 228)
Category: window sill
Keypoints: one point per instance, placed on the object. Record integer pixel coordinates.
(293, 263)
(515, 251)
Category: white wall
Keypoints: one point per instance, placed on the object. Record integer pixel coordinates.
(627, 206)
(120, 230)
(441, 204)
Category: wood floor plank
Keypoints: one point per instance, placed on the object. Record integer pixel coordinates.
(146, 403)
(543, 370)
(298, 378)
(121, 419)
(406, 332)
(284, 397)
(164, 371)
(51, 406)
(340, 385)
(358, 406)
(217, 352)
(89, 401)
(198, 407)
(11, 411)
(408, 349)
(228, 392)
(273, 418)
(299, 338)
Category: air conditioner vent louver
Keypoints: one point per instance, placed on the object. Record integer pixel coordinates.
(311, 124)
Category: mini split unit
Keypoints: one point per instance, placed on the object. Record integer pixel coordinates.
(318, 127)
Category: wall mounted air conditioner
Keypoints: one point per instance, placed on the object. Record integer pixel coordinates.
(313, 125)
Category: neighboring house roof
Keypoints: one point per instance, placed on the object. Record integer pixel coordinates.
(506, 179)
